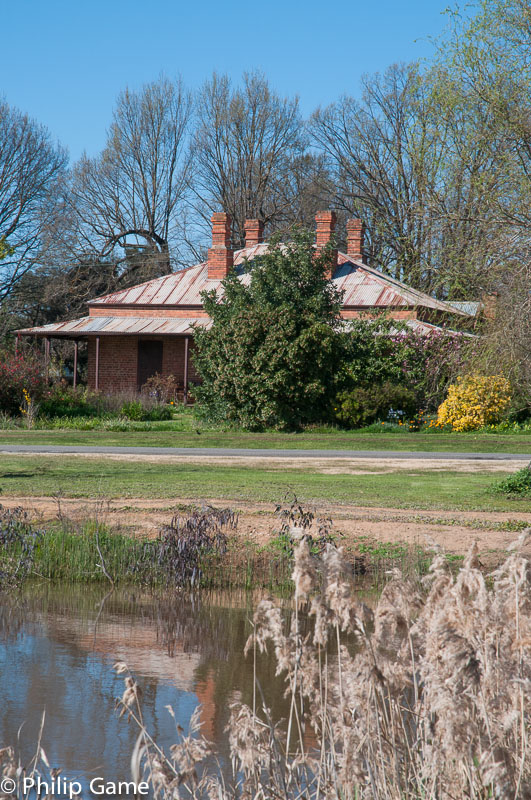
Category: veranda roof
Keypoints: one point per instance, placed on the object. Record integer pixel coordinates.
(164, 326)
(118, 326)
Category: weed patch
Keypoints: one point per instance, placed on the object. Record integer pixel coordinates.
(517, 485)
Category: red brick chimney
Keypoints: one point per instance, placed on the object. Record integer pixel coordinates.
(355, 239)
(325, 227)
(220, 255)
(490, 301)
(254, 232)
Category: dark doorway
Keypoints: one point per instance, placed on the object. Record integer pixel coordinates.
(149, 360)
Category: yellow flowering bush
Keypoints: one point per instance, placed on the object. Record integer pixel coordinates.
(475, 401)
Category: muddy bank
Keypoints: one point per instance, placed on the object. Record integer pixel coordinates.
(453, 530)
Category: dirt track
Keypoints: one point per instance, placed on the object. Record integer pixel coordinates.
(453, 530)
(330, 465)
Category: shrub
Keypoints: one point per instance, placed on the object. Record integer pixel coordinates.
(162, 387)
(183, 545)
(383, 349)
(517, 484)
(135, 410)
(366, 404)
(475, 401)
(18, 541)
(158, 414)
(19, 373)
(64, 401)
(272, 355)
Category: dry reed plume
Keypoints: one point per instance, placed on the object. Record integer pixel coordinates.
(430, 700)
(426, 696)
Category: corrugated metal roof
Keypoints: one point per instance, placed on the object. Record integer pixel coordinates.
(471, 307)
(363, 287)
(160, 326)
(114, 326)
(419, 326)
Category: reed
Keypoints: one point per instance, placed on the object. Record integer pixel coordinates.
(198, 548)
(431, 702)
(424, 696)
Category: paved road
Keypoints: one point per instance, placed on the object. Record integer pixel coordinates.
(258, 453)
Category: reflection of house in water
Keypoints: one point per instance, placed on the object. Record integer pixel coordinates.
(144, 653)
(172, 657)
(139, 646)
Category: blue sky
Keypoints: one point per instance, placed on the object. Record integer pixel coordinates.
(65, 61)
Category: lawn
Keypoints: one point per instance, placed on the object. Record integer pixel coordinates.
(164, 435)
(75, 476)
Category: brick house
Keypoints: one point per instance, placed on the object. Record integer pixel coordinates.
(146, 329)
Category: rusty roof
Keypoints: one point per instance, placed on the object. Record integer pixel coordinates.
(364, 287)
(166, 326)
(118, 326)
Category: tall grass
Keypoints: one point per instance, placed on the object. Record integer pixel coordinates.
(432, 702)
(201, 548)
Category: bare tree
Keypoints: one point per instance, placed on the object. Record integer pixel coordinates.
(130, 196)
(31, 165)
(247, 148)
(504, 346)
(420, 174)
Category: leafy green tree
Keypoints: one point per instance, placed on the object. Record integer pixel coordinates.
(272, 354)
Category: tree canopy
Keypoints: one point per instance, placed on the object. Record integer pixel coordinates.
(31, 168)
(271, 357)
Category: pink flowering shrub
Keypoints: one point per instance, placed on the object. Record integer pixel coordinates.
(431, 361)
(383, 350)
(19, 373)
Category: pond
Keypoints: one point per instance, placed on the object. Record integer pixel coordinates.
(58, 645)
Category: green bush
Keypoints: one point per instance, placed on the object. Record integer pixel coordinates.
(517, 484)
(273, 352)
(364, 405)
(383, 349)
(158, 413)
(135, 410)
(64, 401)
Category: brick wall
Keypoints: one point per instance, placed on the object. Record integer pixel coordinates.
(173, 360)
(119, 362)
(147, 311)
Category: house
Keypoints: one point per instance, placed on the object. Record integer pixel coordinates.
(137, 332)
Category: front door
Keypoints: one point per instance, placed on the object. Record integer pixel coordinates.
(149, 360)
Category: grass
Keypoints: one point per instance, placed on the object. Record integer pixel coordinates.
(72, 555)
(165, 434)
(91, 552)
(76, 476)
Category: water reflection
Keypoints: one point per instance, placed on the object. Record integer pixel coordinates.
(57, 647)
